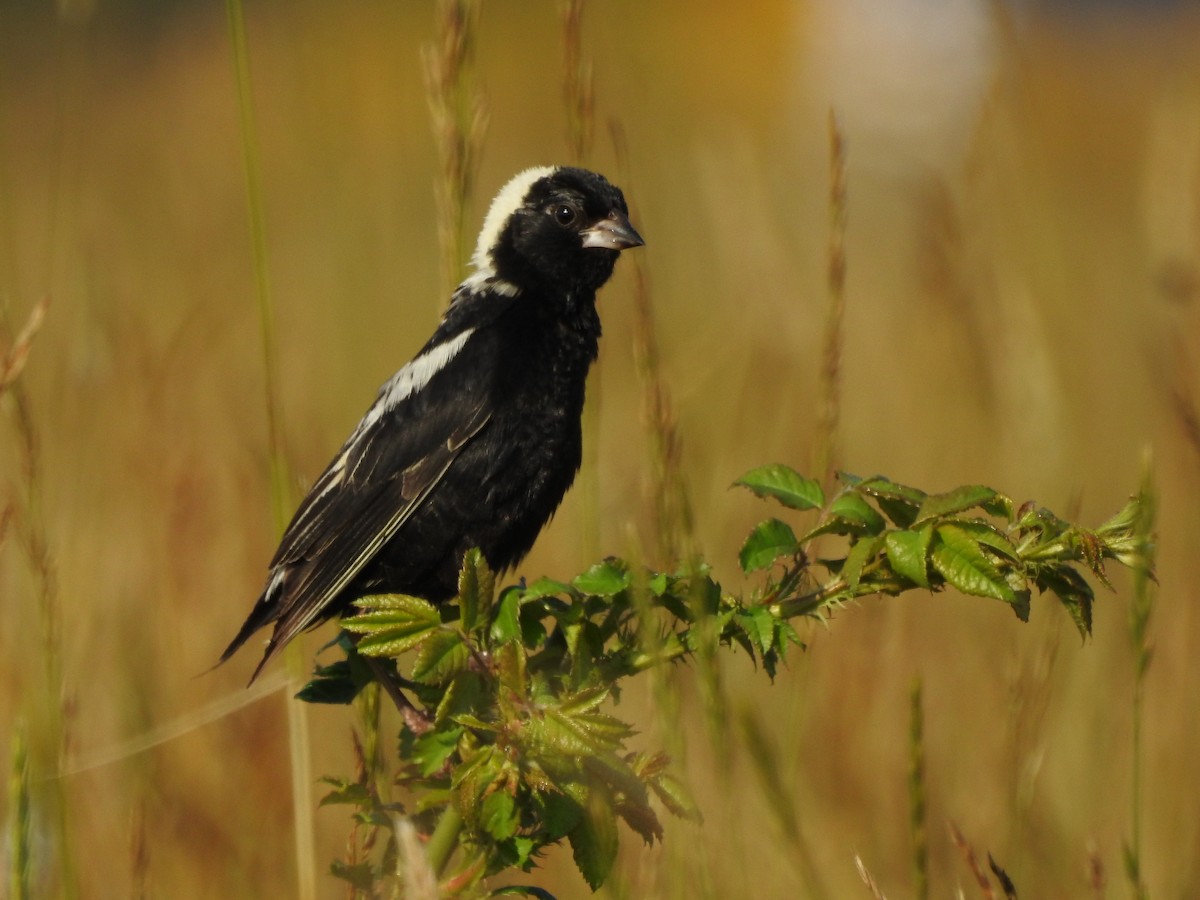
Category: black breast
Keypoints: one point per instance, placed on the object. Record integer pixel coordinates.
(508, 481)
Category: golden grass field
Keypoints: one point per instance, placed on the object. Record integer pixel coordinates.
(1022, 296)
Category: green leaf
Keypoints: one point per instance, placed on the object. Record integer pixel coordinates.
(561, 813)
(989, 536)
(510, 664)
(851, 508)
(899, 502)
(1073, 592)
(476, 588)
(338, 683)
(958, 558)
(784, 484)
(769, 540)
(442, 655)
(523, 890)
(859, 556)
(605, 579)
(547, 587)
(506, 626)
(594, 839)
(498, 815)
(465, 695)
(759, 626)
(955, 501)
(908, 554)
(429, 751)
(350, 792)
(392, 623)
(672, 793)
(583, 701)
(639, 816)
(360, 875)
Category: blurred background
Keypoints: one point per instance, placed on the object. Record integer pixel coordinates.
(1023, 276)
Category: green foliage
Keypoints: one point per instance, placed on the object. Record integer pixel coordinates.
(510, 744)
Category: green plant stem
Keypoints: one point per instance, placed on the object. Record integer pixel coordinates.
(444, 839)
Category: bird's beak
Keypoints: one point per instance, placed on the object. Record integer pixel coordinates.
(612, 233)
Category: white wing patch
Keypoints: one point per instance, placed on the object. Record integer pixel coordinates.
(411, 379)
(508, 201)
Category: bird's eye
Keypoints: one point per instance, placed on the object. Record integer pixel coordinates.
(564, 215)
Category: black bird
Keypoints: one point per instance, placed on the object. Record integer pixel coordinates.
(474, 442)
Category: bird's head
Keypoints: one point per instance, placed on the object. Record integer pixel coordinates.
(561, 228)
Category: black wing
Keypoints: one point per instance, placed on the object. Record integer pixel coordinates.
(420, 422)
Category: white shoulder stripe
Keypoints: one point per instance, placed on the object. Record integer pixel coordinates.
(487, 280)
(412, 378)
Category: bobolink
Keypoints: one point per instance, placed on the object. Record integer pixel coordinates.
(474, 442)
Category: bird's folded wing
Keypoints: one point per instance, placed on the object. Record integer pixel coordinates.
(338, 532)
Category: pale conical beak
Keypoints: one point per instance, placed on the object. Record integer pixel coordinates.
(612, 233)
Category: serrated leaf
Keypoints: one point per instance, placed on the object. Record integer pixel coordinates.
(547, 587)
(360, 875)
(853, 509)
(551, 733)
(784, 484)
(955, 501)
(498, 815)
(429, 751)
(338, 684)
(638, 815)
(506, 626)
(860, 554)
(476, 586)
(1075, 594)
(510, 660)
(392, 623)
(464, 695)
(560, 813)
(675, 796)
(759, 626)
(583, 701)
(605, 579)
(594, 839)
(989, 536)
(769, 540)
(958, 559)
(346, 792)
(908, 554)
(404, 605)
(523, 890)
(603, 731)
(899, 502)
(443, 654)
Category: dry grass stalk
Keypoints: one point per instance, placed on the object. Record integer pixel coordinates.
(299, 750)
(916, 792)
(48, 703)
(459, 122)
(578, 89)
(829, 413)
(671, 506)
(972, 861)
(13, 363)
(876, 893)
